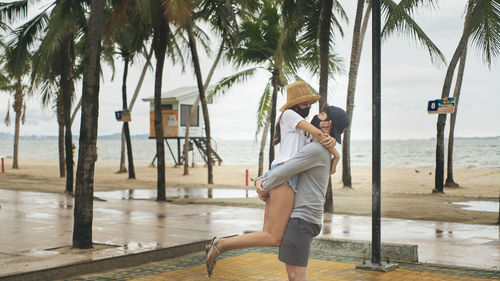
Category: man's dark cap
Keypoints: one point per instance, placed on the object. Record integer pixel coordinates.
(340, 121)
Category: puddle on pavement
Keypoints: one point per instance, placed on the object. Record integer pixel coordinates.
(483, 206)
(177, 193)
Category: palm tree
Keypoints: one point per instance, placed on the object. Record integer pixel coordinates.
(192, 113)
(274, 48)
(259, 45)
(482, 28)
(55, 62)
(397, 19)
(222, 18)
(130, 33)
(201, 89)
(160, 13)
(450, 182)
(87, 153)
(16, 68)
(324, 53)
(16, 58)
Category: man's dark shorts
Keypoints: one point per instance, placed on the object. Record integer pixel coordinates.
(296, 243)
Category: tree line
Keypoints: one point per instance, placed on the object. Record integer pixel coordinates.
(47, 47)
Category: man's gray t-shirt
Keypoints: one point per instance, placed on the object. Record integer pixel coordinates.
(312, 162)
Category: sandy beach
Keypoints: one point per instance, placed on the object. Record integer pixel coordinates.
(406, 192)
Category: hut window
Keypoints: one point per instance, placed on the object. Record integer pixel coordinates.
(166, 107)
(185, 111)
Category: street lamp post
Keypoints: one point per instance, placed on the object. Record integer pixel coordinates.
(376, 136)
(376, 263)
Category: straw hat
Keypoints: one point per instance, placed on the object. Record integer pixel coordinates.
(298, 92)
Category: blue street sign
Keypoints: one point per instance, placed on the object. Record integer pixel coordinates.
(441, 106)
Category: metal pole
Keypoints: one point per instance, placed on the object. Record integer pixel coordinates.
(376, 139)
(178, 151)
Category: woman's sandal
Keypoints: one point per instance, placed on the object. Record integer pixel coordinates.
(208, 247)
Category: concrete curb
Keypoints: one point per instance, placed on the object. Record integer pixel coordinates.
(106, 264)
(362, 249)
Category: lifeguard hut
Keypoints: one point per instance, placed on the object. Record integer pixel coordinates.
(176, 107)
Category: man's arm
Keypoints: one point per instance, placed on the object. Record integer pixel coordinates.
(306, 159)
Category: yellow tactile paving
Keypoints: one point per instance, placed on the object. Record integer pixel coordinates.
(259, 266)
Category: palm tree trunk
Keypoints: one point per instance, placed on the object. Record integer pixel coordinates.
(324, 53)
(60, 142)
(75, 111)
(195, 107)
(141, 78)
(199, 81)
(67, 90)
(450, 182)
(160, 48)
(122, 168)
(18, 106)
(357, 45)
(87, 152)
(276, 82)
(441, 122)
(324, 49)
(263, 146)
(126, 131)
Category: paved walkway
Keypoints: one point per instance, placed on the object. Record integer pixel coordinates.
(262, 264)
(36, 232)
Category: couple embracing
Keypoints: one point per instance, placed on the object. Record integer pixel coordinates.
(295, 186)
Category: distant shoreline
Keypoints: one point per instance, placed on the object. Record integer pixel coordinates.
(117, 136)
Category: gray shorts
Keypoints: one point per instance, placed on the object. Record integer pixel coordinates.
(296, 243)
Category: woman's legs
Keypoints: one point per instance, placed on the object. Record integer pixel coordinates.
(266, 226)
(280, 205)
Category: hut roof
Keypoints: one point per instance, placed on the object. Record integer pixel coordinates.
(181, 93)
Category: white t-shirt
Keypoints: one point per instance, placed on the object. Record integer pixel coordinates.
(292, 138)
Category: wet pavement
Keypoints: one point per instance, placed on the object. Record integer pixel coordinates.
(36, 231)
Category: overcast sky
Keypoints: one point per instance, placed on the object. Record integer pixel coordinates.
(409, 80)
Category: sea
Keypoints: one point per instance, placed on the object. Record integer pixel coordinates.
(473, 153)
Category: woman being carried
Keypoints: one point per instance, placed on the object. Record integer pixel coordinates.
(293, 131)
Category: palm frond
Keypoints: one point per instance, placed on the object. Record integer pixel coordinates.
(176, 47)
(398, 20)
(12, 10)
(107, 52)
(339, 16)
(485, 28)
(203, 38)
(410, 6)
(177, 12)
(220, 14)
(227, 82)
(48, 92)
(7, 116)
(311, 62)
(264, 108)
(60, 27)
(25, 37)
